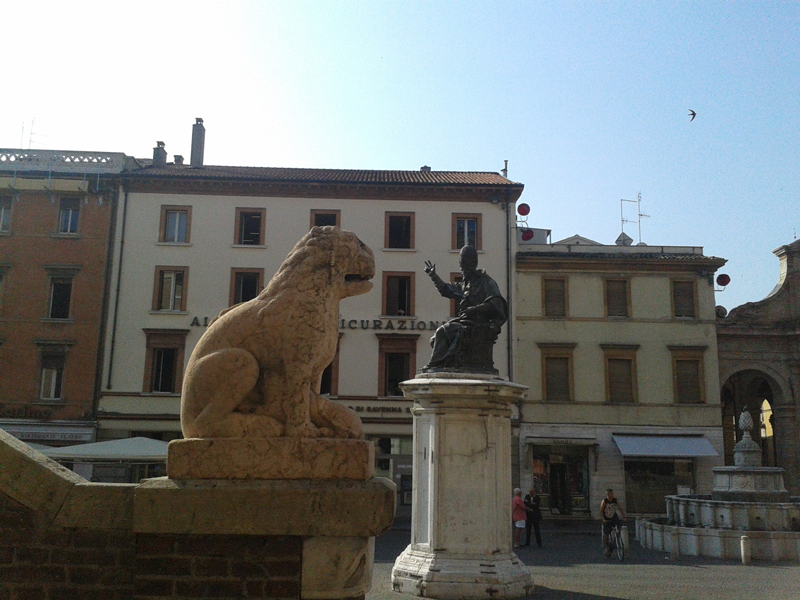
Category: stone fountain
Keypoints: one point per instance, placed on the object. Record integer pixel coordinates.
(747, 500)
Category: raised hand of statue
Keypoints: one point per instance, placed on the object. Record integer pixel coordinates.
(430, 268)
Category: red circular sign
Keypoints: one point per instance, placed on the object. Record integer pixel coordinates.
(524, 209)
(723, 279)
(527, 235)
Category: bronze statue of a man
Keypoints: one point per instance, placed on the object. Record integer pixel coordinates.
(465, 342)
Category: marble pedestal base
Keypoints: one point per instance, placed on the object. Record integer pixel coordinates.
(461, 511)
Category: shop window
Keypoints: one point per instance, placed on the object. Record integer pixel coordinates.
(60, 297)
(175, 224)
(399, 230)
(466, 231)
(620, 371)
(396, 362)
(557, 385)
(69, 210)
(164, 360)
(398, 294)
(554, 292)
(684, 299)
(648, 481)
(5, 214)
(169, 292)
(687, 375)
(617, 298)
(52, 379)
(249, 227)
(246, 284)
(321, 218)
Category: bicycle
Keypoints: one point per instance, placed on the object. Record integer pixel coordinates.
(615, 543)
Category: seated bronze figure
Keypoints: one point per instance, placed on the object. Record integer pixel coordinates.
(465, 342)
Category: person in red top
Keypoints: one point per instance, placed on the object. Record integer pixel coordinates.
(518, 515)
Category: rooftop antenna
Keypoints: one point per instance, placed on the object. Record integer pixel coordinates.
(505, 169)
(639, 212)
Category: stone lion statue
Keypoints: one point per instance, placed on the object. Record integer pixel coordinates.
(256, 371)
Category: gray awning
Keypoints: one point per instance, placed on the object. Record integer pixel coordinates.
(675, 446)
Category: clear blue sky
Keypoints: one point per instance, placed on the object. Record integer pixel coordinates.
(588, 102)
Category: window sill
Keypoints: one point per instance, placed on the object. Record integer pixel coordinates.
(5, 233)
(169, 312)
(173, 244)
(458, 251)
(248, 246)
(406, 317)
(161, 394)
(51, 320)
(66, 236)
(399, 249)
(50, 401)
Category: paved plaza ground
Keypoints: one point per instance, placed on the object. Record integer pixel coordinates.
(571, 566)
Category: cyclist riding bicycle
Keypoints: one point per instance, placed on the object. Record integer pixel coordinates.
(609, 513)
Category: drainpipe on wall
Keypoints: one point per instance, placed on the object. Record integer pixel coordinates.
(117, 291)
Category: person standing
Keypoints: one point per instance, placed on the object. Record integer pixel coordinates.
(533, 517)
(518, 515)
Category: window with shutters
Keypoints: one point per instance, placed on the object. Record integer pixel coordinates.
(249, 227)
(687, 374)
(554, 297)
(246, 284)
(169, 290)
(52, 379)
(398, 294)
(557, 378)
(176, 222)
(620, 371)
(163, 370)
(396, 362)
(69, 210)
(321, 218)
(399, 231)
(466, 231)
(684, 299)
(617, 298)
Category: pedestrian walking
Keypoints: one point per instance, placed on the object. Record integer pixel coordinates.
(519, 516)
(533, 517)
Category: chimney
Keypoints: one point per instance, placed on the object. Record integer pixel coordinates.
(425, 169)
(159, 155)
(198, 143)
(178, 159)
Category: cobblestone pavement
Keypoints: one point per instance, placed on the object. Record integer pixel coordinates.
(571, 566)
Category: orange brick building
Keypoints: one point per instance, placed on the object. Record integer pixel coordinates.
(56, 212)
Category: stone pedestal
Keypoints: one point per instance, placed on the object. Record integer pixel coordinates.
(461, 512)
(319, 492)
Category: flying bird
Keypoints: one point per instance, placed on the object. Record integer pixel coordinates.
(694, 114)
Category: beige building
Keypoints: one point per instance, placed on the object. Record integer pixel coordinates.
(618, 346)
(194, 239)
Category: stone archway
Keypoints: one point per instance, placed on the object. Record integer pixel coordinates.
(763, 396)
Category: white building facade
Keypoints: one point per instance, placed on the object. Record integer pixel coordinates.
(618, 347)
(192, 240)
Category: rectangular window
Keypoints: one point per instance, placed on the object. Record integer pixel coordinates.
(617, 298)
(68, 215)
(52, 377)
(5, 214)
(398, 294)
(321, 218)
(399, 230)
(684, 299)
(164, 360)
(246, 284)
(170, 289)
(466, 231)
(175, 224)
(621, 380)
(687, 374)
(554, 293)
(60, 297)
(396, 362)
(249, 226)
(557, 383)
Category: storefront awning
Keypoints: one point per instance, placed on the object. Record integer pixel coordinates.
(129, 449)
(675, 446)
